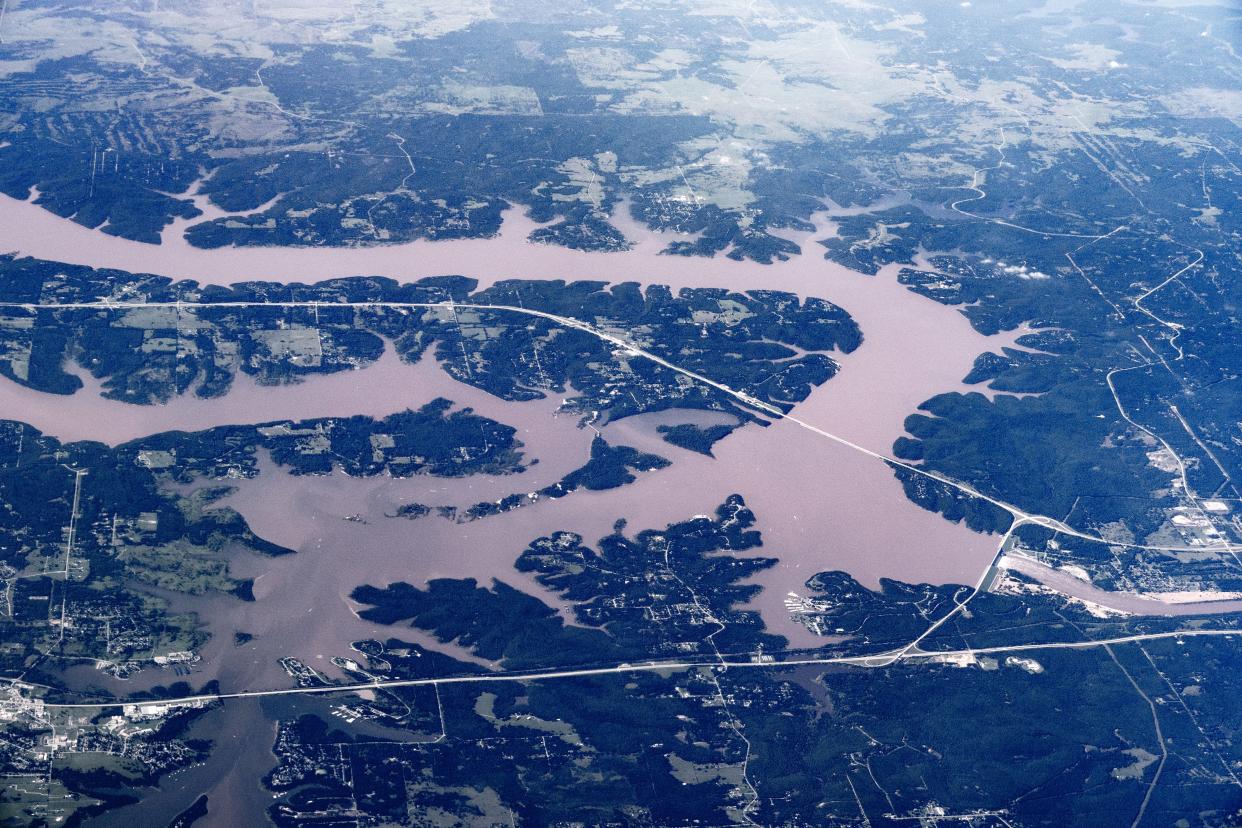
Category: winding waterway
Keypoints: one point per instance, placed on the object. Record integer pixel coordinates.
(819, 505)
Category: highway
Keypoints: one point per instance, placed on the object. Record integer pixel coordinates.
(909, 652)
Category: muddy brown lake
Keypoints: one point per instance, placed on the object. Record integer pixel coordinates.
(819, 505)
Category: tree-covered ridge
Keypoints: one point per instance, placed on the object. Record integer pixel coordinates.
(771, 345)
(607, 467)
(676, 591)
(434, 440)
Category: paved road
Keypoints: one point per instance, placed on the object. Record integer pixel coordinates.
(906, 653)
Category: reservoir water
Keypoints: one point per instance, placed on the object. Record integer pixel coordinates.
(819, 505)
